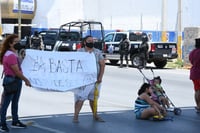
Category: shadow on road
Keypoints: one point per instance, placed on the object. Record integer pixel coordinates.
(130, 66)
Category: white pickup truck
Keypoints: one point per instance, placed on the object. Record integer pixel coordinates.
(158, 53)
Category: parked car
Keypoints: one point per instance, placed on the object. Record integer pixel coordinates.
(68, 41)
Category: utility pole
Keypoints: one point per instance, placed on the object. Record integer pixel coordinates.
(0, 20)
(111, 22)
(141, 22)
(163, 21)
(179, 39)
(19, 19)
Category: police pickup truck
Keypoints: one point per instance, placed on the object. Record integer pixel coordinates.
(71, 34)
(158, 52)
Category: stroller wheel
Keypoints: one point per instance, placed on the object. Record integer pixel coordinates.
(177, 111)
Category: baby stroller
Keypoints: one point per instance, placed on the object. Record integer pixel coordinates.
(177, 111)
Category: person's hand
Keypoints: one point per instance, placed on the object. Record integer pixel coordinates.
(99, 81)
(163, 111)
(27, 82)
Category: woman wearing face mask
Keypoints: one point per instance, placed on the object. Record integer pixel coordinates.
(88, 46)
(12, 71)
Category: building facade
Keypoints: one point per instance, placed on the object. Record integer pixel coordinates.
(10, 16)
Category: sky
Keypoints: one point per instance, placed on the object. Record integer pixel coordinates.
(151, 11)
(189, 12)
(118, 14)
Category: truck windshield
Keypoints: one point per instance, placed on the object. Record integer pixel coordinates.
(69, 36)
(136, 36)
(50, 35)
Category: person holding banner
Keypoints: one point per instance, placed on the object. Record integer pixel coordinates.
(88, 46)
(12, 81)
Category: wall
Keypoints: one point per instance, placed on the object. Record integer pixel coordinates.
(190, 33)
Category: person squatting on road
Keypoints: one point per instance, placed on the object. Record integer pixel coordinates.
(194, 58)
(145, 107)
(88, 46)
(12, 72)
(124, 47)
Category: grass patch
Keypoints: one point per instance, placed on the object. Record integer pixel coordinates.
(176, 63)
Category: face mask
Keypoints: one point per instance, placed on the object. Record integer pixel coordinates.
(90, 45)
(17, 46)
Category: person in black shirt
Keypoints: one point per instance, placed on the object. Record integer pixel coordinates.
(124, 47)
(143, 49)
(36, 41)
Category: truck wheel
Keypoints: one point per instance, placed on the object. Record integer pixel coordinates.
(160, 63)
(114, 62)
(137, 61)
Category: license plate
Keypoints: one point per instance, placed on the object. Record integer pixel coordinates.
(116, 48)
(160, 46)
(65, 44)
(164, 55)
(171, 46)
(48, 47)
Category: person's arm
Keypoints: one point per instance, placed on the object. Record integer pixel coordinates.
(159, 88)
(41, 43)
(101, 72)
(129, 45)
(19, 74)
(190, 58)
(31, 41)
(153, 104)
(120, 46)
(149, 100)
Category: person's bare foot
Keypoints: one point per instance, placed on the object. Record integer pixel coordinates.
(75, 119)
(197, 109)
(99, 119)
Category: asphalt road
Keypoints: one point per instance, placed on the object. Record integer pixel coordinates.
(48, 112)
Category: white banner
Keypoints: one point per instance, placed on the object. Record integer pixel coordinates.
(59, 71)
